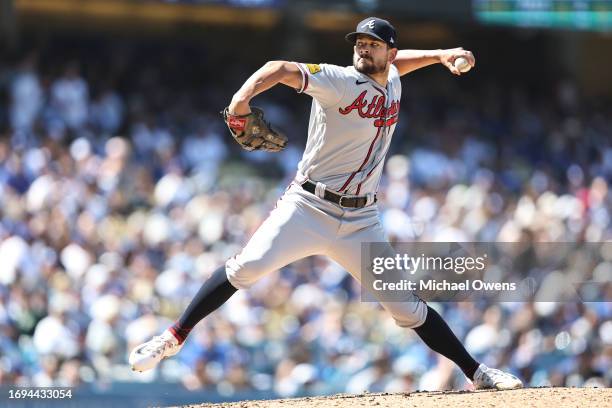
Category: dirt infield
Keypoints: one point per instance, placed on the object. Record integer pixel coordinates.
(526, 398)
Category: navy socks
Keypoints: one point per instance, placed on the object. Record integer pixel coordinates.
(213, 293)
(441, 339)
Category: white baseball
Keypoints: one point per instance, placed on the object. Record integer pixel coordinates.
(462, 64)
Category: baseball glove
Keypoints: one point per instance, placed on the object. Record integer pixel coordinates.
(252, 132)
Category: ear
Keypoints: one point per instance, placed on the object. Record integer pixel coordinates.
(392, 55)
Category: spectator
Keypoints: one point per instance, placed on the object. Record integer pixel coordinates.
(149, 196)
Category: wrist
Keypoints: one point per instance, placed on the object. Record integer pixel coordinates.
(239, 105)
(239, 99)
(437, 54)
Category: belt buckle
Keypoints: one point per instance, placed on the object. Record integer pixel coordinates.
(340, 202)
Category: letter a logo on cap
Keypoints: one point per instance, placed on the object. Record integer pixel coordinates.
(369, 24)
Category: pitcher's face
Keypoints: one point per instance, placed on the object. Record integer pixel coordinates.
(371, 56)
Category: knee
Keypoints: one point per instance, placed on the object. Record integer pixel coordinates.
(410, 315)
(243, 275)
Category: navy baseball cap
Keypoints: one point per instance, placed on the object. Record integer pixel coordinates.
(375, 27)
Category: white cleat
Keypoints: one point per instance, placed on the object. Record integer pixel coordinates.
(490, 378)
(147, 355)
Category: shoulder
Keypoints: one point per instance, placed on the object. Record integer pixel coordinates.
(393, 73)
(394, 77)
(324, 69)
(330, 69)
(327, 72)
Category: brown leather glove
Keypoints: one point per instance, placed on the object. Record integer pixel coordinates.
(252, 132)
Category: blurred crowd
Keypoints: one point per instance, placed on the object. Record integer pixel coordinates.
(117, 200)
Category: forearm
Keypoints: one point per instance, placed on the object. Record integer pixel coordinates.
(411, 60)
(272, 73)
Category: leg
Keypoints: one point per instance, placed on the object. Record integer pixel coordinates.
(213, 293)
(407, 309)
(441, 339)
(293, 230)
(411, 312)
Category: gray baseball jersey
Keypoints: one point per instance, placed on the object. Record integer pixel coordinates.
(351, 123)
(352, 120)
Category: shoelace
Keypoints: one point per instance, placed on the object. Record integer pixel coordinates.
(156, 346)
(497, 375)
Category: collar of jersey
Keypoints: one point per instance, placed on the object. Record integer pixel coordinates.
(371, 81)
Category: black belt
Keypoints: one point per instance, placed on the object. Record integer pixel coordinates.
(341, 200)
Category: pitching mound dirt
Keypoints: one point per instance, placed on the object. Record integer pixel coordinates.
(526, 398)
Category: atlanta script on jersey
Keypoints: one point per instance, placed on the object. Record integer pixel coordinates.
(352, 120)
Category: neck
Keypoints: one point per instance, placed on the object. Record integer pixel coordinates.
(381, 78)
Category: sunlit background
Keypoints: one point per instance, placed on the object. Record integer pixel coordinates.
(121, 191)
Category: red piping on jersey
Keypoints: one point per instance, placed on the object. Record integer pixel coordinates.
(304, 77)
(366, 177)
(367, 156)
(378, 89)
(362, 164)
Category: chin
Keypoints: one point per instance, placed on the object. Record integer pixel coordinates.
(364, 68)
(368, 70)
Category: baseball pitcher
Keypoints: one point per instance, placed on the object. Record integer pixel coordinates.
(330, 207)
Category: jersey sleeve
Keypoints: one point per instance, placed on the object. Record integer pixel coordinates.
(324, 82)
(393, 71)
